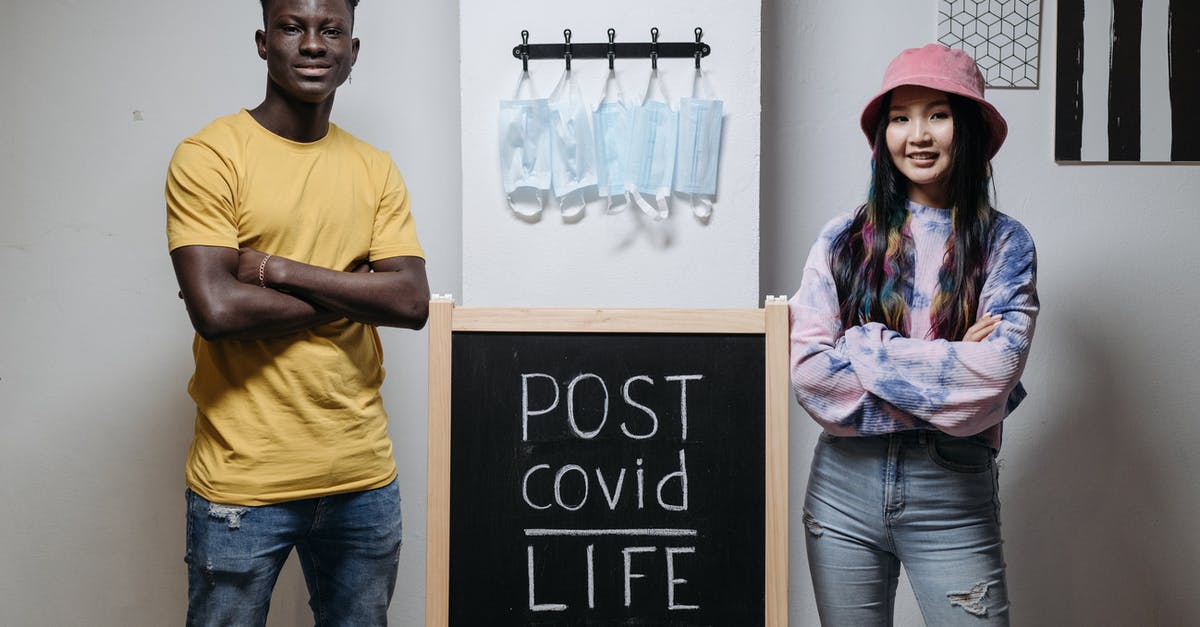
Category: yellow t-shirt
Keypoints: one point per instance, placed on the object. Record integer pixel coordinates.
(298, 416)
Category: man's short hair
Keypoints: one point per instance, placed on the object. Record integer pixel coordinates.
(353, 5)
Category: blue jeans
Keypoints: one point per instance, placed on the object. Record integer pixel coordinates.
(922, 499)
(348, 545)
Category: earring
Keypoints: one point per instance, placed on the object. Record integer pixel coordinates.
(350, 77)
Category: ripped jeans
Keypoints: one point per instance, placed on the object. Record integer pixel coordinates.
(922, 499)
(348, 545)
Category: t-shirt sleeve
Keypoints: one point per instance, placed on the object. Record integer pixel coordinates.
(395, 232)
(200, 198)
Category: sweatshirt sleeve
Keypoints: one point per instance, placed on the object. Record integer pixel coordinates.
(825, 380)
(961, 388)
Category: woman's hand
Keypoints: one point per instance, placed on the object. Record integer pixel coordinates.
(982, 328)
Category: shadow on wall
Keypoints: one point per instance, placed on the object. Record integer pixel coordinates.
(773, 223)
(1087, 523)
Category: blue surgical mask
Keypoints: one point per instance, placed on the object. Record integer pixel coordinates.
(699, 148)
(612, 122)
(652, 153)
(524, 130)
(573, 152)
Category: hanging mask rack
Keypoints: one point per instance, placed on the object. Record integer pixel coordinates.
(653, 50)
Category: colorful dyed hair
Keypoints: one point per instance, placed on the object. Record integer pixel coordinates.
(872, 260)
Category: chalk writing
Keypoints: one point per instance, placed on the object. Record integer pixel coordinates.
(571, 486)
(607, 480)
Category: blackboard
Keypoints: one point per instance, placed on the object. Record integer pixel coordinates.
(606, 467)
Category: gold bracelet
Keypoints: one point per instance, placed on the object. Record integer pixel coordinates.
(262, 272)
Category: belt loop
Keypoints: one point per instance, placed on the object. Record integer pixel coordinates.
(921, 441)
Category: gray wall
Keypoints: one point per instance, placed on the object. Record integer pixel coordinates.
(1099, 464)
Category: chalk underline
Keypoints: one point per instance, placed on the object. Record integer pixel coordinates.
(611, 532)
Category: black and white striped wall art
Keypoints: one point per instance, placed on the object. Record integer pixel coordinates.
(1128, 83)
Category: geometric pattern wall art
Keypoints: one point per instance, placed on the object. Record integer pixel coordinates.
(1003, 36)
(1127, 87)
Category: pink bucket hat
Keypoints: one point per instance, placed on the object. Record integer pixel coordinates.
(944, 69)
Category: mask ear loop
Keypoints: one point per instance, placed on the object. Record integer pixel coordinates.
(662, 89)
(654, 78)
(564, 81)
(704, 210)
(700, 83)
(524, 75)
(612, 78)
(528, 213)
(567, 210)
(521, 80)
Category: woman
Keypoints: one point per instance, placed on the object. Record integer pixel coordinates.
(909, 334)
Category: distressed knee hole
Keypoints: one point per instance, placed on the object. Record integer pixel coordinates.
(231, 515)
(813, 526)
(971, 600)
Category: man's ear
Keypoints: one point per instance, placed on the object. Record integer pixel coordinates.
(260, 40)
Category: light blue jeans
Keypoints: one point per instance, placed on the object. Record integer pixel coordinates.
(348, 545)
(922, 499)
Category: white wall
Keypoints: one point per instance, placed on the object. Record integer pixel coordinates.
(621, 260)
(1099, 464)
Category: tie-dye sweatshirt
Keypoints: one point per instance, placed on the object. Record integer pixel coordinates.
(871, 380)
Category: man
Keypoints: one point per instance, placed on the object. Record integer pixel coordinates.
(292, 241)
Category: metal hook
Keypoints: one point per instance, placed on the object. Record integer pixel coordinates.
(612, 47)
(699, 34)
(567, 48)
(654, 48)
(525, 50)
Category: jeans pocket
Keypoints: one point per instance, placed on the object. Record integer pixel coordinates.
(960, 454)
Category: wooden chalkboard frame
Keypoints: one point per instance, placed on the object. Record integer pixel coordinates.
(445, 319)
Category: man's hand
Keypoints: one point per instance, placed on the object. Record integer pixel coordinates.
(250, 262)
(222, 306)
(385, 292)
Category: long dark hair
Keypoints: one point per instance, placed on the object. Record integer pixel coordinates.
(872, 259)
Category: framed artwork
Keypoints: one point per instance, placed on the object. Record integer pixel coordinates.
(1128, 81)
(1003, 36)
